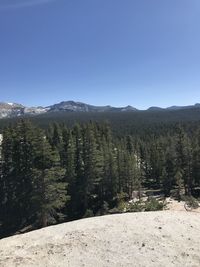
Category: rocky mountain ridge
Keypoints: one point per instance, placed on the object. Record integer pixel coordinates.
(10, 110)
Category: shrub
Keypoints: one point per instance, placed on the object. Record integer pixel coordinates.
(153, 205)
(136, 207)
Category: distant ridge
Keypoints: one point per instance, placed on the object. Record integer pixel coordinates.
(155, 108)
(184, 107)
(12, 110)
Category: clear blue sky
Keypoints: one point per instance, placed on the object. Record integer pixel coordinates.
(118, 52)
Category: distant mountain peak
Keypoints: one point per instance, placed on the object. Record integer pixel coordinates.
(11, 109)
(197, 105)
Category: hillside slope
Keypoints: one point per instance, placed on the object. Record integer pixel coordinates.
(138, 239)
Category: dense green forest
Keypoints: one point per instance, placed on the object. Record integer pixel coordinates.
(68, 171)
(122, 123)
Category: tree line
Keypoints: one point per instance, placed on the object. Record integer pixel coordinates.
(61, 174)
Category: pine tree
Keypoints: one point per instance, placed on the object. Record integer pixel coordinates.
(76, 203)
(68, 160)
(179, 181)
(17, 164)
(8, 204)
(49, 195)
(196, 158)
(169, 169)
(184, 159)
(110, 176)
(93, 169)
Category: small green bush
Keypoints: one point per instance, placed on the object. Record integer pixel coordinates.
(136, 207)
(153, 205)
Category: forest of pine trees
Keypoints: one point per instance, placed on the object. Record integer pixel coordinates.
(61, 174)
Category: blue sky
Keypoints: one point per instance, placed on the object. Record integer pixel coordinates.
(118, 52)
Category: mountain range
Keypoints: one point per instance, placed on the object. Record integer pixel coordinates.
(10, 110)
